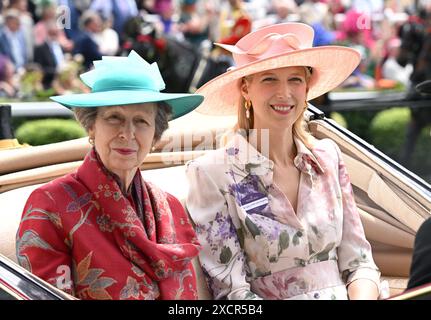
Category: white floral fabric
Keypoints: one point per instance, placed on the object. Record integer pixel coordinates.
(255, 246)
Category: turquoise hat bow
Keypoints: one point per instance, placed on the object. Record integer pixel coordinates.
(127, 80)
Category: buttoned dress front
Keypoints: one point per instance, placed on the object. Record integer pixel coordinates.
(255, 246)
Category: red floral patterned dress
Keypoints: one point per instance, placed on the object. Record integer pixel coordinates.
(81, 234)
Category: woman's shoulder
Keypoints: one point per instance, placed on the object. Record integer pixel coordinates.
(326, 150)
(171, 199)
(54, 187)
(212, 160)
(211, 168)
(162, 194)
(236, 150)
(326, 145)
(176, 206)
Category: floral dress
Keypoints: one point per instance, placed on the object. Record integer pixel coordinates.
(83, 235)
(254, 244)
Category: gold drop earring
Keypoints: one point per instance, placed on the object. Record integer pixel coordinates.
(247, 106)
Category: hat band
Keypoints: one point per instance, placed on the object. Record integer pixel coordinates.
(270, 45)
(126, 88)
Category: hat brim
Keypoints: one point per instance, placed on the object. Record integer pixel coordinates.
(181, 103)
(331, 66)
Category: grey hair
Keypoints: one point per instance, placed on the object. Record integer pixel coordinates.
(164, 114)
(87, 117)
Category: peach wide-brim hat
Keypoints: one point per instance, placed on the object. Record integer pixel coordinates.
(277, 46)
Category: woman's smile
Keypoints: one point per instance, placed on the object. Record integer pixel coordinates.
(282, 109)
(124, 151)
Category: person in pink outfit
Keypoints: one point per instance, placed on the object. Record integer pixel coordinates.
(274, 208)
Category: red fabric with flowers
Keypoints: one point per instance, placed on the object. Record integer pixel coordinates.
(81, 234)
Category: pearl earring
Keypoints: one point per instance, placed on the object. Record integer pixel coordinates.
(247, 106)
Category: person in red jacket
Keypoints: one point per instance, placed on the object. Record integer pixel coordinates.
(242, 24)
(102, 232)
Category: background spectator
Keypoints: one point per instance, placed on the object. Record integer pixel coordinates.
(316, 15)
(27, 24)
(284, 10)
(86, 44)
(12, 40)
(8, 83)
(48, 15)
(193, 23)
(49, 54)
(67, 78)
(391, 69)
(107, 39)
(70, 11)
(31, 85)
(119, 10)
(165, 10)
(239, 21)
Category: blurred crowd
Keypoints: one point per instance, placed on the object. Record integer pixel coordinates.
(45, 44)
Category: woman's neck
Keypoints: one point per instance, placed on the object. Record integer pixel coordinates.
(125, 179)
(278, 145)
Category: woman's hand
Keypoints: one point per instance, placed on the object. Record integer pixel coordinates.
(363, 289)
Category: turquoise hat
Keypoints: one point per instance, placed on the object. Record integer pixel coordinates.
(127, 80)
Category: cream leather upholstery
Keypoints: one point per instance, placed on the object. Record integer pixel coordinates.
(11, 206)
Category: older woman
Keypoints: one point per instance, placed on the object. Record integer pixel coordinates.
(102, 232)
(274, 208)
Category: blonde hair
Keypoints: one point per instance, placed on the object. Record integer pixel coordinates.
(300, 129)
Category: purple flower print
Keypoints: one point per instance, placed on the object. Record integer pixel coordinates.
(232, 151)
(248, 190)
(231, 173)
(248, 185)
(274, 230)
(270, 228)
(214, 286)
(226, 229)
(218, 231)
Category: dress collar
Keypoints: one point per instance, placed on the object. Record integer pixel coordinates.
(243, 154)
(306, 160)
